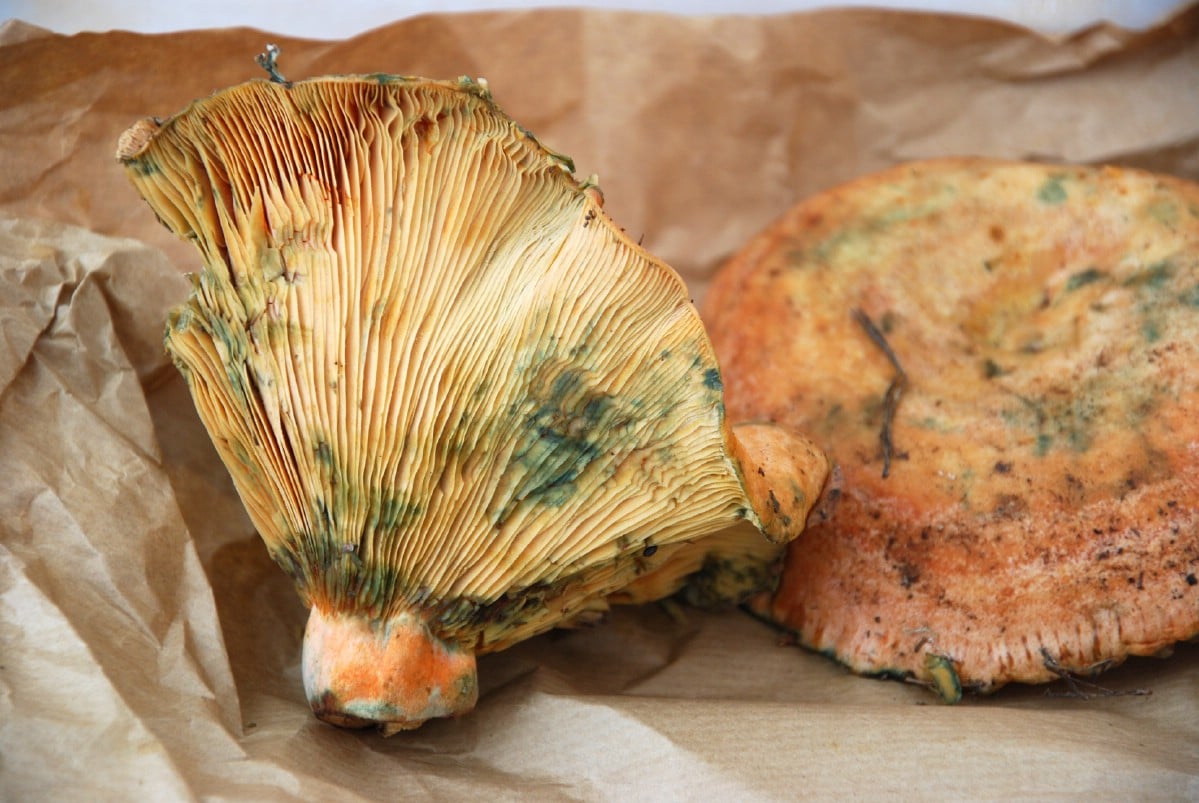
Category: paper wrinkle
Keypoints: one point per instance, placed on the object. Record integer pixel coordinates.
(1032, 58)
(29, 312)
(14, 31)
(151, 647)
(92, 523)
(645, 763)
(101, 579)
(94, 729)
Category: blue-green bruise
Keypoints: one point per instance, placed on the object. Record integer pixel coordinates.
(1164, 211)
(1153, 276)
(572, 423)
(324, 564)
(560, 439)
(1044, 441)
(143, 166)
(724, 580)
(1075, 418)
(324, 455)
(1052, 191)
(1083, 278)
(1158, 299)
(233, 343)
(327, 559)
(1068, 421)
(944, 677)
(1190, 296)
(385, 79)
(712, 379)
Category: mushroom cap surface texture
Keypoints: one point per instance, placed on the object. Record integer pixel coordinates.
(460, 406)
(1040, 511)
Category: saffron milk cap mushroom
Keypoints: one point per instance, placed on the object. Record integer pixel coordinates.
(1002, 362)
(460, 405)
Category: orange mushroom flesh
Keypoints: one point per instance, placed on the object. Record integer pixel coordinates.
(460, 406)
(1040, 515)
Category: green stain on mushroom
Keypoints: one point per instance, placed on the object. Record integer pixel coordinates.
(560, 440)
(233, 344)
(1153, 277)
(944, 677)
(243, 456)
(725, 581)
(1052, 191)
(1163, 211)
(1083, 278)
(144, 166)
(323, 453)
(394, 511)
(383, 79)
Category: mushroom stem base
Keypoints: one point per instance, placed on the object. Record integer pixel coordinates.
(393, 674)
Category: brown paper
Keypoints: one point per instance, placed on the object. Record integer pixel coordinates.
(150, 649)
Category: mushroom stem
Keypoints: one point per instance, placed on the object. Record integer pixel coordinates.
(393, 674)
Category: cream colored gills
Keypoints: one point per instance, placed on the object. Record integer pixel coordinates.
(460, 405)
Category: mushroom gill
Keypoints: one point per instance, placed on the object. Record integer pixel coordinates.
(460, 406)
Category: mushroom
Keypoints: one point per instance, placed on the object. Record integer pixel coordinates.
(1004, 368)
(459, 404)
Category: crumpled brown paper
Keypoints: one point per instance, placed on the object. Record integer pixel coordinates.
(148, 646)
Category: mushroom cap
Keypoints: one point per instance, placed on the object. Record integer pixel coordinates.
(460, 405)
(1041, 511)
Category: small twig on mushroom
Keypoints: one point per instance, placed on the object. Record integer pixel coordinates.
(894, 390)
(1080, 689)
(269, 61)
